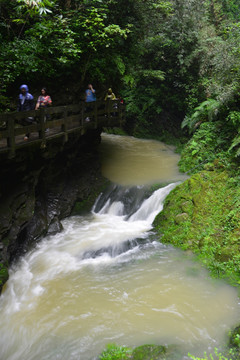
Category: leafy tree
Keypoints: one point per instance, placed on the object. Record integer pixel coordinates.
(47, 41)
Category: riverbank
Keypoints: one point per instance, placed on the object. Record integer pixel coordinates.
(202, 215)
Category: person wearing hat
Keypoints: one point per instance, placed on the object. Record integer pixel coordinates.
(25, 99)
(110, 95)
(25, 103)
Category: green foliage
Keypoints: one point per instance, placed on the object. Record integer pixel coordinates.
(115, 352)
(144, 352)
(217, 356)
(234, 120)
(235, 338)
(39, 44)
(206, 111)
(169, 59)
(33, 7)
(207, 145)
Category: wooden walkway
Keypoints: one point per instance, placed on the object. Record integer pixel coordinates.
(47, 124)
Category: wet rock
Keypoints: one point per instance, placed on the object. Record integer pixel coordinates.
(55, 227)
(180, 218)
(156, 352)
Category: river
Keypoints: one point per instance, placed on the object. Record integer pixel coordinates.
(107, 279)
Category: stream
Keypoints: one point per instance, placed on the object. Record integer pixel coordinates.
(106, 278)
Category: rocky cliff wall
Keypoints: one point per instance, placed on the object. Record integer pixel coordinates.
(41, 187)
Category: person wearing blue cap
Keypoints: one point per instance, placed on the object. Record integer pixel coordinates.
(25, 103)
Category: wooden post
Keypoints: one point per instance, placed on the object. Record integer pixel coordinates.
(82, 111)
(120, 117)
(108, 111)
(11, 137)
(95, 114)
(42, 134)
(64, 125)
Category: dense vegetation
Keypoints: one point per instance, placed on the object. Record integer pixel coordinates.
(202, 215)
(173, 61)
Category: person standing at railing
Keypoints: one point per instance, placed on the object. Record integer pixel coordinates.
(43, 101)
(25, 103)
(111, 96)
(90, 97)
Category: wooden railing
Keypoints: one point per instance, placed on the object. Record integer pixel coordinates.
(48, 123)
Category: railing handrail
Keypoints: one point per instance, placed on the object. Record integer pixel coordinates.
(72, 118)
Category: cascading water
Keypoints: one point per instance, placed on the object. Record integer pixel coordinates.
(105, 278)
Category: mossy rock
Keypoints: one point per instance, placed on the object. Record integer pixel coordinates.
(181, 218)
(227, 253)
(84, 206)
(149, 352)
(187, 206)
(156, 352)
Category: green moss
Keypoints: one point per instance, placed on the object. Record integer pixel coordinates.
(81, 207)
(5, 241)
(149, 352)
(202, 215)
(156, 352)
(115, 131)
(3, 275)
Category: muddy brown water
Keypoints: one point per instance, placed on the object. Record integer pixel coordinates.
(106, 279)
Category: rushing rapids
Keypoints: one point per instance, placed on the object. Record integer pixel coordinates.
(105, 278)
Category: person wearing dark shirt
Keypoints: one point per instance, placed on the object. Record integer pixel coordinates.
(25, 99)
(25, 103)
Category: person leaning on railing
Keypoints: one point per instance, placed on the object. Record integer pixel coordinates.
(111, 96)
(25, 103)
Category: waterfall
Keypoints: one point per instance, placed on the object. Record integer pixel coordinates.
(105, 278)
(153, 205)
